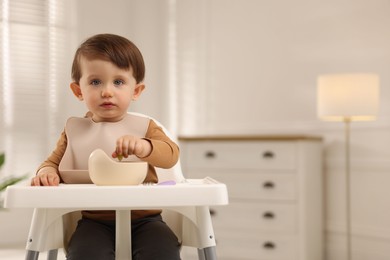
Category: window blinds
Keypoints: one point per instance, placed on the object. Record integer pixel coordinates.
(33, 48)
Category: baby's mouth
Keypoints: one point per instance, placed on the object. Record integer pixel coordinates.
(107, 105)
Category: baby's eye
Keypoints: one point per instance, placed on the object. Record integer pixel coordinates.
(95, 82)
(118, 82)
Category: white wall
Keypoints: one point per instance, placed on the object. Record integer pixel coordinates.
(262, 58)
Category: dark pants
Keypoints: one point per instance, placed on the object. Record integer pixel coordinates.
(151, 239)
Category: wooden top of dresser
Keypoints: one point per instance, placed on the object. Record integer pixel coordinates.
(250, 138)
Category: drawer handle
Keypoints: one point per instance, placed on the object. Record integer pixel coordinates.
(268, 185)
(269, 245)
(268, 155)
(210, 154)
(269, 215)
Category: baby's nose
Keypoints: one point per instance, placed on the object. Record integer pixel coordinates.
(107, 92)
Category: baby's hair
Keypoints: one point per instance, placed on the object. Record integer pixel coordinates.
(109, 47)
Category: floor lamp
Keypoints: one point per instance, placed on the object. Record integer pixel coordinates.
(347, 98)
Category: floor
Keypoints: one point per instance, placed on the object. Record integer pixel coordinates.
(20, 253)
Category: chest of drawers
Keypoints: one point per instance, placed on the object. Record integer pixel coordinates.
(275, 194)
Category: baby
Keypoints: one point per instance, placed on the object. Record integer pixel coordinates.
(108, 72)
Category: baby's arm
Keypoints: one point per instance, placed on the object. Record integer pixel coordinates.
(47, 173)
(165, 152)
(156, 148)
(46, 176)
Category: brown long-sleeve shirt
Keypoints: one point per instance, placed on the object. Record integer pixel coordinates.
(164, 154)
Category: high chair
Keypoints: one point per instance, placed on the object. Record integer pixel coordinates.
(185, 208)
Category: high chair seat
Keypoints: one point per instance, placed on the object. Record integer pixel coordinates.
(185, 208)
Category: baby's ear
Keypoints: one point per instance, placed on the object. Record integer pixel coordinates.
(138, 90)
(76, 90)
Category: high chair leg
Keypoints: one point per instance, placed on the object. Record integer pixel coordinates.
(123, 235)
(52, 254)
(207, 253)
(32, 255)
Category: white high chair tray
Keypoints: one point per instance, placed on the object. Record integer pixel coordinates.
(193, 192)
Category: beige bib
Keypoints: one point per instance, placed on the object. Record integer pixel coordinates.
(85, 135)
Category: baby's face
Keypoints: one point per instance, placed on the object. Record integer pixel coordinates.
(107, 90)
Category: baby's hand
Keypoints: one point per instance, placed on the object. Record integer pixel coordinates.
(46, 176)
(131, 145)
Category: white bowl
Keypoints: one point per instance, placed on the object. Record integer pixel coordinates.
(103, 170)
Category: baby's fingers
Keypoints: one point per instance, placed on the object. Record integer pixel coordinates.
(35, 181)
(119, 148)
(45, 180)
(53, 180)
(39, 180)
(125, 147)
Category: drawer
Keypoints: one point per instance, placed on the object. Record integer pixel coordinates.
(256, 246)
(242, 155)
(268, 217)
(253, 185)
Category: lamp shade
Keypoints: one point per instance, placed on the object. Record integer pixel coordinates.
(348, 96)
